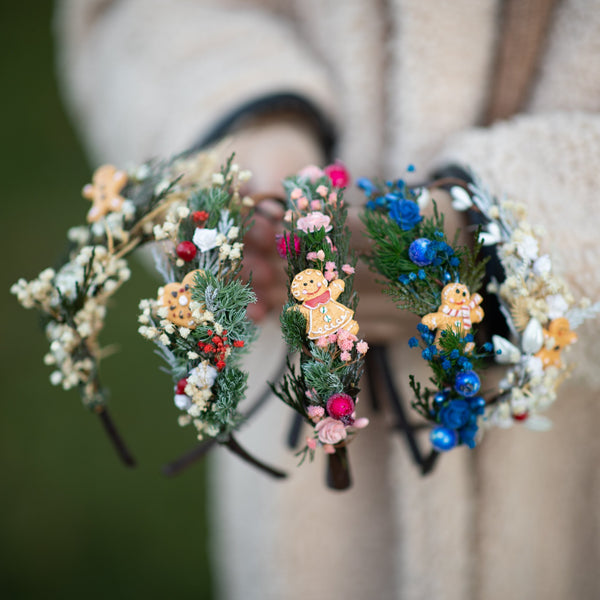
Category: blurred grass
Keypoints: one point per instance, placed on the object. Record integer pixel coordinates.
(73, 521)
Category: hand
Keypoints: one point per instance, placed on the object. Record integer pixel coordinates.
(272, 151)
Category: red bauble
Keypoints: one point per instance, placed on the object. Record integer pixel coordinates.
(338, 174)
(186, 251)
(180, 389)
(341, 407)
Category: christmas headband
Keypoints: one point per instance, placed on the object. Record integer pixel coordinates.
(440, 281)
(318, 320)
(196, 218)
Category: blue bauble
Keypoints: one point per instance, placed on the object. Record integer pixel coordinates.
(440, 398)
(443, 438)
(467, 383)
(422, 252)
(477, 405)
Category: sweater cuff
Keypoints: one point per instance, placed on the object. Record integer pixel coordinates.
(281, 105)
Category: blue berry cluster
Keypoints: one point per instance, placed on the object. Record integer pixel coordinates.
(400, 208)
(456, 407)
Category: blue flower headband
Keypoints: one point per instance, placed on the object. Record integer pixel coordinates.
(440, 280)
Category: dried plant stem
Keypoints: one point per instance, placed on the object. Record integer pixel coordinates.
(115, 437)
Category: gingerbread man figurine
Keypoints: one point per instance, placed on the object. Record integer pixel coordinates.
(458, 311)
(177, 297)
(104, 191)
(556, 337)
(324, 316)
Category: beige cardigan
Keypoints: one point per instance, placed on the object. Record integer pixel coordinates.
(406, 81)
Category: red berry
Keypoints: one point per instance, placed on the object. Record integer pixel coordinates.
(199, 216)
(521, 417)
(180, 389)
(338, 174)
(340, 407)
(238, 343)
(220, 365)
(186, 251)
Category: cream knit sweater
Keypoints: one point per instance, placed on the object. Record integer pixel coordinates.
(406, 81)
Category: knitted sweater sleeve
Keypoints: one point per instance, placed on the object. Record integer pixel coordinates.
(147, 76)
(550, 163)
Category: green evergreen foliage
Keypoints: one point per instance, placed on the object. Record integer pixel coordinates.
(293, 326)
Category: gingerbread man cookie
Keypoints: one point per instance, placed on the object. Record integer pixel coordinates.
(458, 311)
(324, 316)
(177, 297)
(104, 190)
(556, 337)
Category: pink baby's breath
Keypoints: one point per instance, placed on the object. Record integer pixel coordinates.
(345, 356)
(362, 347)
(348, 269)
(322, 191)
(315, 413)
(322, 342)
(315, 205)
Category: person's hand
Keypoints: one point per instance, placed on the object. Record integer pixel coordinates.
(271, 151)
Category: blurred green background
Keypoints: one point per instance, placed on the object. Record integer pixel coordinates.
(73, 521)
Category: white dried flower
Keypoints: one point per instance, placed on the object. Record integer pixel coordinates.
(233, 233)
(205, 239)
(203, 376)
(218, 179)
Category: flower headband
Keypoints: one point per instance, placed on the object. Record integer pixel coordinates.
(439, 281)
(318, 320)
(197, 219)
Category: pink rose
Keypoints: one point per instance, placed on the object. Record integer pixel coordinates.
(338, 174)
(331, 431)
(314, 221)
(315, 205)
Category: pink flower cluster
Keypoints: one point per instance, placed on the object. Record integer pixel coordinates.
(320, 255)
(346, 342)
(330, 271)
